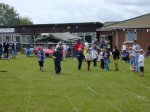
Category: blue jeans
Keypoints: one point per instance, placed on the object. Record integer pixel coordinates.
(136, 62)
(106, 61)
(13, 52)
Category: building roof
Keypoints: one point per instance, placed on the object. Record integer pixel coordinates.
(53, 24)
(60, 36)
(110, 23)
(137, 22)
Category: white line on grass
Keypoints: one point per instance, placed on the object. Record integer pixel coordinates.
(138, 96)
(29, 97)
(74, 107)
(106, 101)
(145, 86)
(91, 89)
(116, 108)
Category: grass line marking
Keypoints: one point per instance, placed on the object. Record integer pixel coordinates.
(138, 96)
(145, 86)
(74, 107)
(91, 89)
(115, 107)
(29, 97)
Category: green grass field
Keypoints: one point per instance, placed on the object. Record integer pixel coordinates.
(23, 88)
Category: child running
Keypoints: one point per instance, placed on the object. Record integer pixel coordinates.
(41, 58)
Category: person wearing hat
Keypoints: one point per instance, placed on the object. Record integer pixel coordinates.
(141, 62)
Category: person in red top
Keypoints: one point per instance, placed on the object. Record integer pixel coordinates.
(75, 48)
(81, 46)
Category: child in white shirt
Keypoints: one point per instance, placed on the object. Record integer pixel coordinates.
(141, 62)
(88, 58)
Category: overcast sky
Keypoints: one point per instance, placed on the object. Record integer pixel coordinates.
(72, 11)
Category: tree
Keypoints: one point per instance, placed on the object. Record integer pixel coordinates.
(25, 21)
(9, 16)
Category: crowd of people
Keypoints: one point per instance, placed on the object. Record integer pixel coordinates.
(98, 53)
(95, 52)
(6, 48)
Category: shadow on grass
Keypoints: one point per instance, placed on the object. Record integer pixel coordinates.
(3, 71)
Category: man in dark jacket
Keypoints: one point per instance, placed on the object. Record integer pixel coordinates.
(80, 57)
(1, 49)
(116, 55)
(6, 46)
(14, 50)
(57, 56)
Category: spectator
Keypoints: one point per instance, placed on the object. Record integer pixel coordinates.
(80, 57)
(136, 48)
(116, 55)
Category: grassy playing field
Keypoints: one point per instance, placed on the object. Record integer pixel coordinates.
(23, 88)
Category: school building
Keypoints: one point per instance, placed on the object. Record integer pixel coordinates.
(126, 31)
(28, 34)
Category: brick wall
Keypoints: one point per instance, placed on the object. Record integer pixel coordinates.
(143, 38)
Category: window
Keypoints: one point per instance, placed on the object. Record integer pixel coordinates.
(17, 38)
(1, 38)
(88, 39)
(130, 36)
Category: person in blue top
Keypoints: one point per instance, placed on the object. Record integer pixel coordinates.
(80, 57)
(41, 58)
(57, 56)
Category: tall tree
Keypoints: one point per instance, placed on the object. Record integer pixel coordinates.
(9, 16)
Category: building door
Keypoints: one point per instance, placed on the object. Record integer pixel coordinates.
(110, 42)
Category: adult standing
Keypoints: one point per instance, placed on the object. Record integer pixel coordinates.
(136, 49)
(75, 48)
(14, 50)
(64, 47)
(80, 57)
(6, 51)
(116, 55)
(1, 49)
(57, 56)
(124, 50)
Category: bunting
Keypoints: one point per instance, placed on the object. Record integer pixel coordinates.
(132, 30)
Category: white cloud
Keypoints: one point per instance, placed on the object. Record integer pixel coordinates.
(68, 11)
